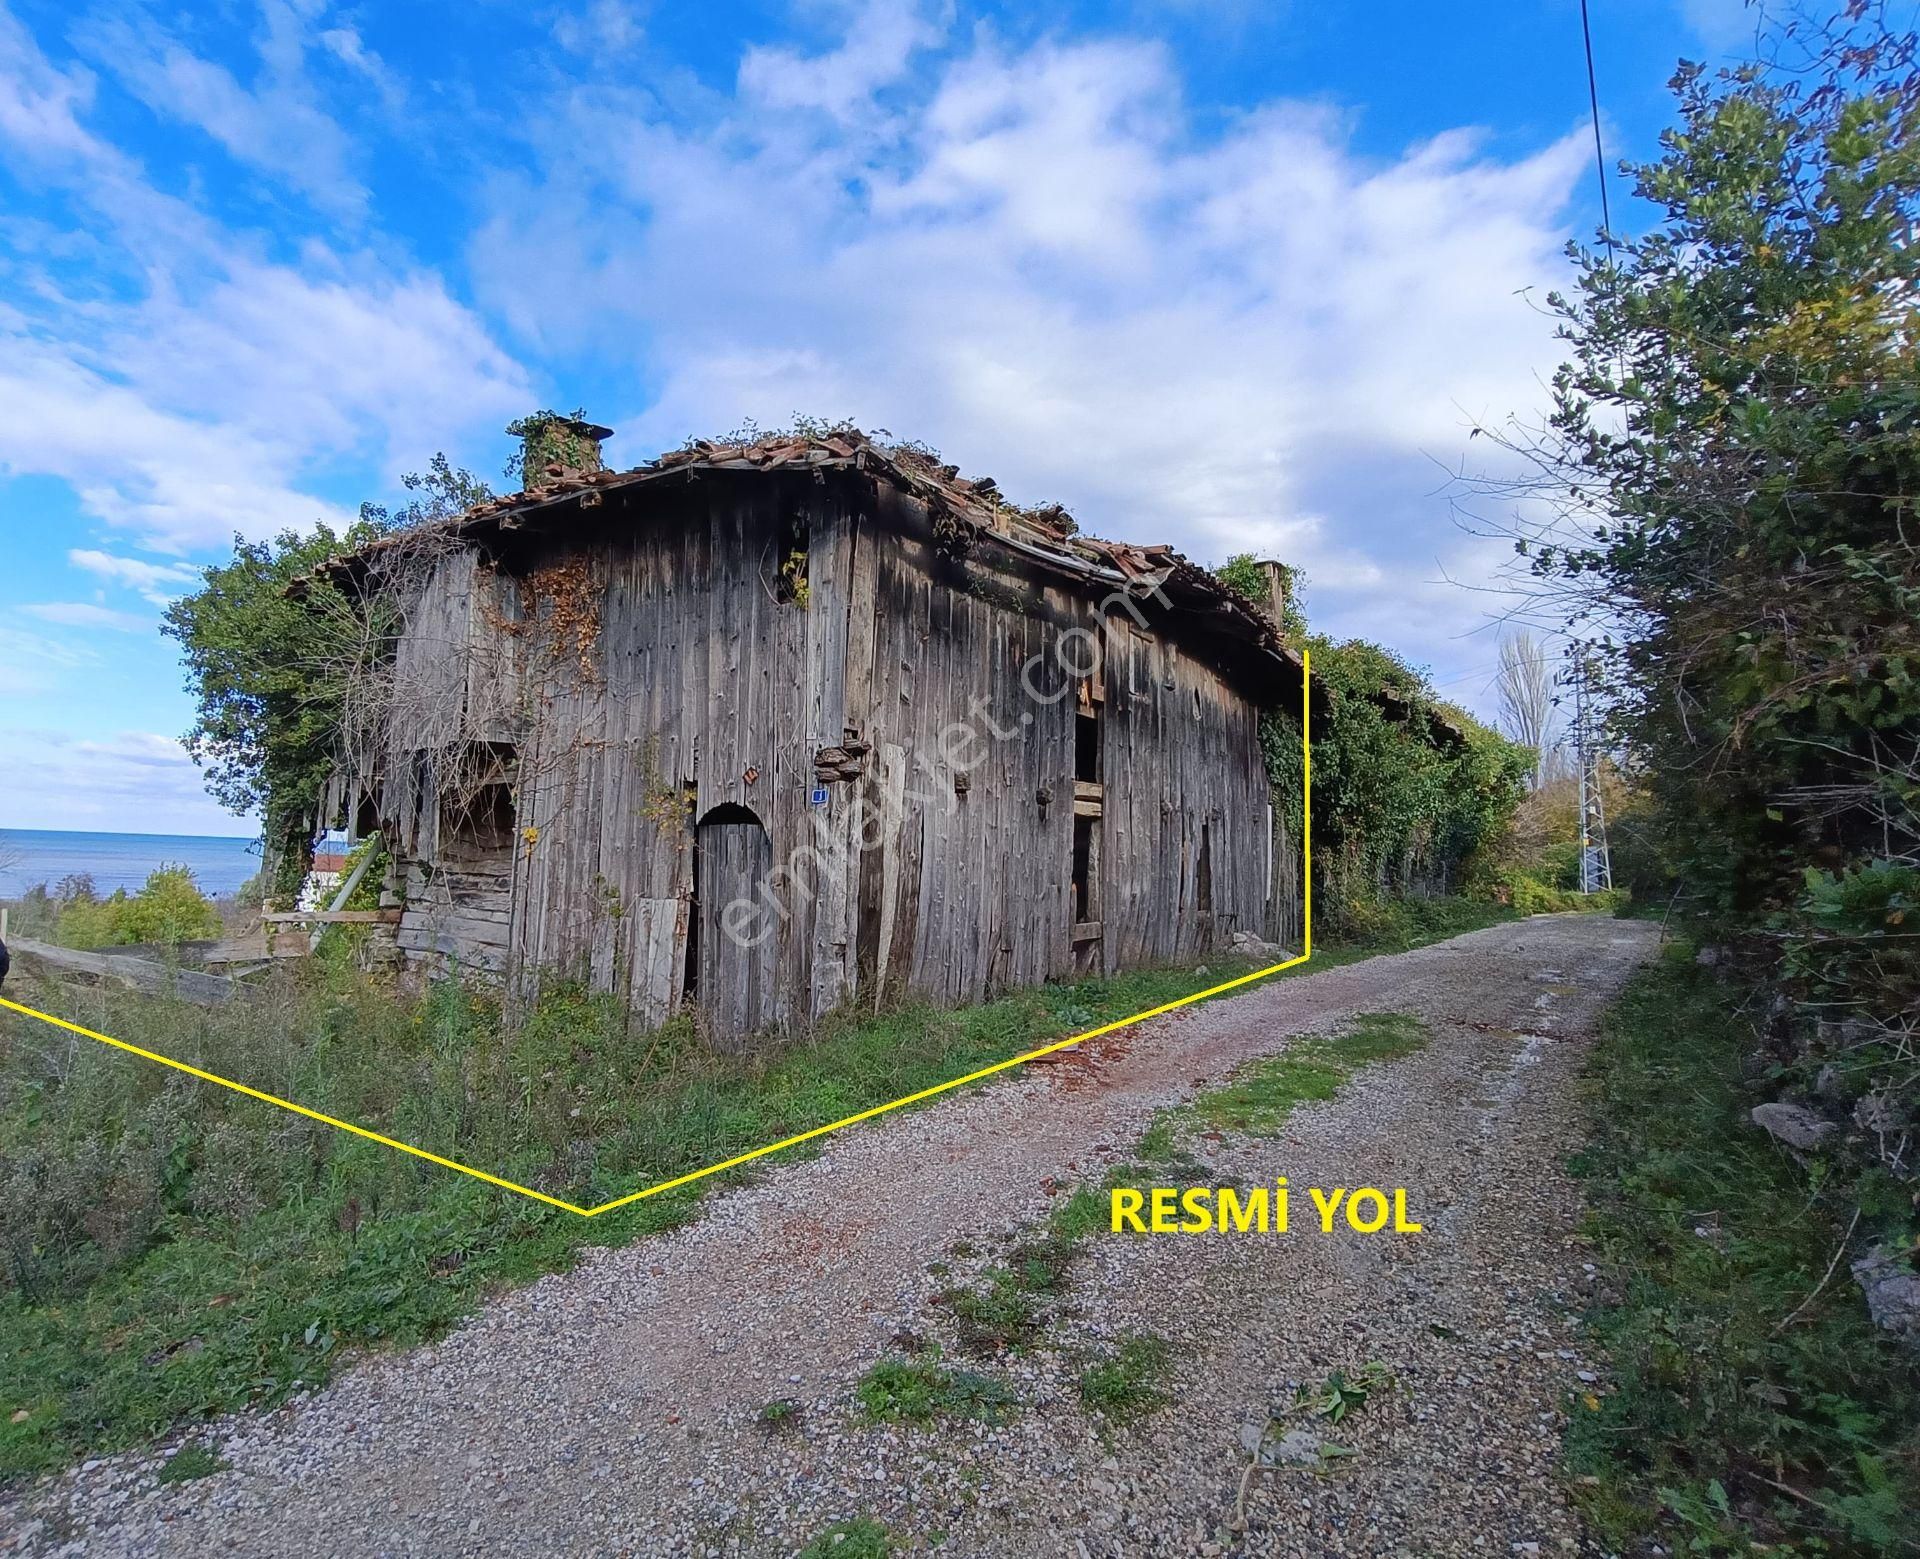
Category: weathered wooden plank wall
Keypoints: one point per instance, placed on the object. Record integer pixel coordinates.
(707, 692)
(1181, 769)
(969, 892)
(943, 868)
(1284, 920)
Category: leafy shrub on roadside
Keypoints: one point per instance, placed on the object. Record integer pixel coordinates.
(1409, 792)
(168, 910)
(1385, 924)
(1529, 895)
(1750, 1400)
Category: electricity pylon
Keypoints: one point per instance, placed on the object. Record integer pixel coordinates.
(1596, 865)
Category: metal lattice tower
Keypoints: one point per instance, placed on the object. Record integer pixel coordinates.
(1596, 865)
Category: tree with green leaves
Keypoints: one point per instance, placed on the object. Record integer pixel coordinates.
(1732, 459)
(439, 493)
(268, 715)
(1724, 507)
(1408, 790)
(269, 672)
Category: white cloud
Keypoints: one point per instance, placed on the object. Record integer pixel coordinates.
(191, 406)
(276, 125)
(321, 358)
(158, 582)
(86, 614)
(1041, 264)
(1728, 26)
(32, 663)
(40, 105)
(882, 36)
(347, 46)
(606, 27)
(19, 646)
(174, 480)
(133, 781)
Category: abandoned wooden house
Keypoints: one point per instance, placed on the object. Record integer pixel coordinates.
(764, 729)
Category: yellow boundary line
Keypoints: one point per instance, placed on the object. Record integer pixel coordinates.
(1306, 810)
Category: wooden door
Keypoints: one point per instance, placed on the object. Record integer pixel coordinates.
(737, 924)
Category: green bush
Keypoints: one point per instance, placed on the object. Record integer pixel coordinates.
(1529, 891)
(1380, 923)
(141, 1211)
(169, 909)
(1410, 793)
(1751, 1401)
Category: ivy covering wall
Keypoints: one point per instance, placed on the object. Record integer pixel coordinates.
(1410, 793)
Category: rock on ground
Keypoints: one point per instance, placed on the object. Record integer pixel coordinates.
(613, 1410)
(1793, 1124)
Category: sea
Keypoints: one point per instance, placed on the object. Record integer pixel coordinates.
(219, 865)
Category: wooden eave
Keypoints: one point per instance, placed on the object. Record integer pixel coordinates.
(1211, 609)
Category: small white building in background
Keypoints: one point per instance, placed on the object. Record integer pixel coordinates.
(329, 867)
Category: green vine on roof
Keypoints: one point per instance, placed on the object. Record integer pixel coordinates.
(549, 437)
(1245, 575)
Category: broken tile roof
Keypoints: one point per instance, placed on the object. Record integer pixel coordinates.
(1045, 536)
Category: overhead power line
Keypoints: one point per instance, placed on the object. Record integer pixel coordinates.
(1593, 103)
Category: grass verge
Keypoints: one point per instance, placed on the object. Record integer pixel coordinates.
(1125, 1384)
(920, 1390)
(1752, 1406)
(170, 1250)
(860, 1538)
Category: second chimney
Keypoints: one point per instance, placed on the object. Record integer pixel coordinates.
(1279, 581)
(549, 439)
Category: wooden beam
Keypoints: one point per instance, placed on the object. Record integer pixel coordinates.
(339, 903)
(335, 917)
(207, 990)
(1088, 931)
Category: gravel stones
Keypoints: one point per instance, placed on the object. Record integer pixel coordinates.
(616, 1409)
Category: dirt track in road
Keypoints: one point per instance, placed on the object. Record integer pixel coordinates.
(613, 1410)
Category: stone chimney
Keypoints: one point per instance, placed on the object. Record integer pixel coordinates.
(1279, 577)
(547, 438)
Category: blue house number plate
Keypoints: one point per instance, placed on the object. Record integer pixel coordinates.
(819, 796)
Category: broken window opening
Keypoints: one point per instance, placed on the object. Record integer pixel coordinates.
(791, 586)
(1086, 747)
(1083, 864)
(481, 813)
(1203, 871)
(1089, 706)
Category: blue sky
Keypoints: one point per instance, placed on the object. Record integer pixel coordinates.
(1231, 275)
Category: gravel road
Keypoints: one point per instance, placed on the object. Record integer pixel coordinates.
(615, 1409)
